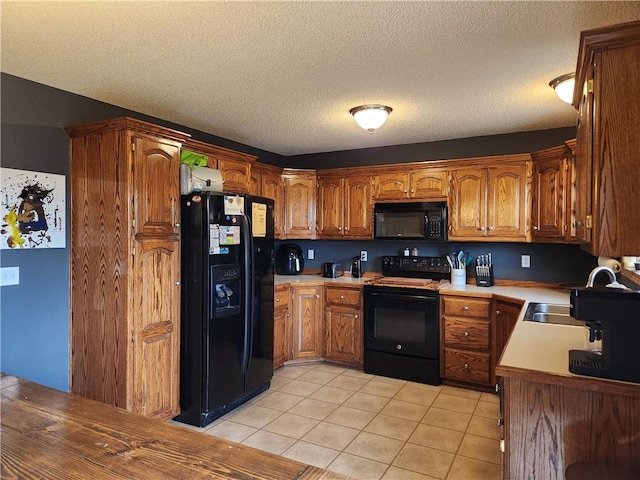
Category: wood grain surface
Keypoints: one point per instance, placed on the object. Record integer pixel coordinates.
(50, 434)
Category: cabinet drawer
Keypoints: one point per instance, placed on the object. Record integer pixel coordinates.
(281, 298)
(466, 307)
(466, 366)
(343, 296)
(466, 334)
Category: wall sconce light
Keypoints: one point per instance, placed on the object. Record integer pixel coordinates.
(370, 117)
(563, 85)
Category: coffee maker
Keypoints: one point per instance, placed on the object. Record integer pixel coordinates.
(612, 346)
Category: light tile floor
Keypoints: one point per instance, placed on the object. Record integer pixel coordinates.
(370, 427)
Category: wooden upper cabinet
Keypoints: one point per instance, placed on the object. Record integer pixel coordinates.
(428, 183)
(125, 265)
(157, 203)
(344, 207)
(608, 147)
(489, 201)
(467, 203)
(271, 186)
(507, 201)
(235, 167)
(420, 183)
(299, 204)
(553, 196)
(358, 210)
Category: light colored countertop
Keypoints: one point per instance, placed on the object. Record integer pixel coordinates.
(317, 279)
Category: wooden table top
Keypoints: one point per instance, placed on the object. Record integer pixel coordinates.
(51, 434)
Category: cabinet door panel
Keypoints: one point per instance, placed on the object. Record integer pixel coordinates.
(155, 325)
(428, 184)
(236, 174)
(549, 199)
(330, 206)
(358, 215)
(343, 338)
(272, 188)
(390, 186)
(506, 207)
(307, 322)
(156, 186)
(468, 200)
(300, 206)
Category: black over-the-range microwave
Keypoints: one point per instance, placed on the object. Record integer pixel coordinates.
(411, 221)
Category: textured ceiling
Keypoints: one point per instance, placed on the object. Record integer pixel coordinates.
(282, 76)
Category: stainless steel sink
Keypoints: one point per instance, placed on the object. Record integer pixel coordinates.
(551, 313)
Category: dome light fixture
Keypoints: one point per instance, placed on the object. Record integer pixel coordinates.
(370, 117)
(563, 85)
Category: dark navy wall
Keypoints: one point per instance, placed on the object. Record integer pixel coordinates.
(556, 263)
(35, 314)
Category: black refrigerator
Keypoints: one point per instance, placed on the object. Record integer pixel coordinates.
(226, 344)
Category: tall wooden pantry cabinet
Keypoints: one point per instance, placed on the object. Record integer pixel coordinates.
(125, 265)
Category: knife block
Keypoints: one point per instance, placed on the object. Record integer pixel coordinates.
(484, 279)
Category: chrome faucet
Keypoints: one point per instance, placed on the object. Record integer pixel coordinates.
(612, 276)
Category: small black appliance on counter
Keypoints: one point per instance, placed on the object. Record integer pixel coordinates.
(289, 259)
(332, 270)
(612, 318)
(357, 267)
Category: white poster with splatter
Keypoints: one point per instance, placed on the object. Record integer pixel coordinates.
(33, 209)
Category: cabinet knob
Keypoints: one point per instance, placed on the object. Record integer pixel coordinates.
(466, 366)
(466, 334)
(491, 228)
(341, 297)
(178, 284)
(277, 300)
(339, 228)
(465, 308)
(404, 191)
(482, 228)
(309, 228)
(413, 191)
(317, 296)
(536, 228)
(177, 225)
(356, 316)
(497, 312)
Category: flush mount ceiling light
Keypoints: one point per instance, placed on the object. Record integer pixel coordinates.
(370, 117)
(563, 85)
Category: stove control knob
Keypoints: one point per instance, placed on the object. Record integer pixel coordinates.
(398, 347)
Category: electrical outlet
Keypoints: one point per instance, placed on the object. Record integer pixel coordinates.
(9, 276)
(310, 254)
(363, 255)
(525, 261)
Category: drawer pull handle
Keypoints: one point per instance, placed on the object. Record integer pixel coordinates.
(466, 334)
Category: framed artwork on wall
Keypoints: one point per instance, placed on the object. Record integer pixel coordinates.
(33, 210)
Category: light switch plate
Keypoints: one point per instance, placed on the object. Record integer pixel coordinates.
(9, 276)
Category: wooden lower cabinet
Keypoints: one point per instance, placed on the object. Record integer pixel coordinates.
(465, 334)
(548, 425)
(281, 326)
(474, 331)
(306, 321)
(343, 324)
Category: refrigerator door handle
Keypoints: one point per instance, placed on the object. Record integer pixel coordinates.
(247, 240)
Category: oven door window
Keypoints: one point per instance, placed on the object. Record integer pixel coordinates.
(402, 324)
